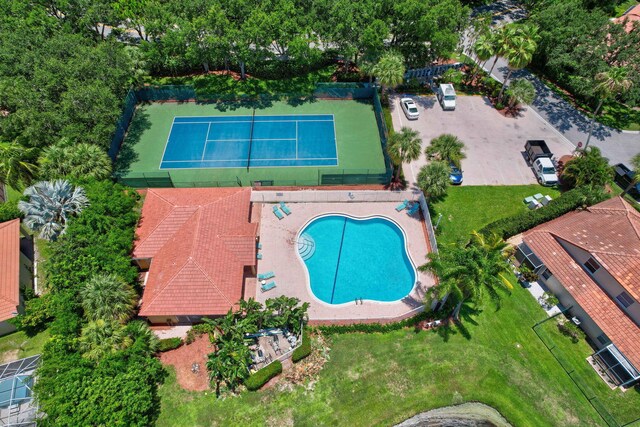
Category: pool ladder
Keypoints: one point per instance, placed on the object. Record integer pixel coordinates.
(306, 246)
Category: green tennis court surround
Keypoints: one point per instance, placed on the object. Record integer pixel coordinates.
(301, 142)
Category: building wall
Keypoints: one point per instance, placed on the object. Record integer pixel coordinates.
(566, 299)
(605, 280)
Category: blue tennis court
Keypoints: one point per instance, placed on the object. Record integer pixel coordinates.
(251, 141)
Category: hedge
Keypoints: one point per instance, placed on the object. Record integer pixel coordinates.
(9, 211)
(169, 344)
(260, 378)
(567, 202)
(303, 350)
(375, 327)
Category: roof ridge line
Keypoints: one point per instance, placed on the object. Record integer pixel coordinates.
(163, 218)
(167, 282)
(213, 283)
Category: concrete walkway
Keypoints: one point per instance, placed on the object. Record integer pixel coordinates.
(618, 146)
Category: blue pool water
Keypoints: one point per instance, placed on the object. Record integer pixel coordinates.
(356, 258)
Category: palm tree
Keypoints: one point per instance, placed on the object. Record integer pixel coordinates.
(390, 70)
(50, 205)
(447, 148)
(521, 91)
(144, 338)
(101, 338)
(433, 179)
(635, 164)
(609, 84)
(484, 49)
(471, 272)
(74, 161)
(108, 298)
(229, 365)
(520, 52)
(404, 147)
(588, 168)
(16, 169)
(501, 40)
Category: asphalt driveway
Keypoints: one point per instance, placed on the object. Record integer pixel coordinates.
(494, 143)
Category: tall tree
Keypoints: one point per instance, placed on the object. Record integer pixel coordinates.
(101, 338)
(433, 179)
(521, 91)
(446, 147)
(404, 147)
(66, 159)
(108, 298)
(16, 167)
(519, 52)
(390, 70)
(588, 168)
(50, 206)
(609, 84)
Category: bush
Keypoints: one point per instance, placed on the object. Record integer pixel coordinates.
(304, 350)
(571, 330)
(375, 327)
(260, 378)
(169, 344)
(9, 211)
(567, 202)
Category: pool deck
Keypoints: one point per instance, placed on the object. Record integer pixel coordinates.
(279, 254)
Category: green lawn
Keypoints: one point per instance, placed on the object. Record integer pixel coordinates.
(465, 209)
(623, 406)
(18, 345)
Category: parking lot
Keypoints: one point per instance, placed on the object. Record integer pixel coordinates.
(494, 143)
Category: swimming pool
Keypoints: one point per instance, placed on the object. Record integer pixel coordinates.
(351, 258)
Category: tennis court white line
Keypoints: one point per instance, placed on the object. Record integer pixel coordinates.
(252, 159)
(254, 139)
(166, 144)
(296, 140)
(249, 121)
(204, 149)
(266, 115)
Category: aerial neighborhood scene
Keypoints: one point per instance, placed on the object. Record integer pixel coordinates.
(320, 213)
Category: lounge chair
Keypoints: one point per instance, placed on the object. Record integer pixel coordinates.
(259, 245)
(402, 206)
(285, 208)
(545, 200)
(267, 275)
(258, 255)
(528, 200)
(538, 196)
(277, 212)
(413, 209)
(268, 286)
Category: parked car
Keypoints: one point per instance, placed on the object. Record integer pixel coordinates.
(447, 96)
(624, 178)
(540, 158)
(410, 108)
(455, 176)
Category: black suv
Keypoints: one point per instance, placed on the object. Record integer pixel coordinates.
(624, 178)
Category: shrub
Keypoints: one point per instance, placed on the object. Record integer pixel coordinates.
(9, 211)
(198, 330)
(527, 273)
(260, 378)
(169, 344)
(304, 350)
(571, 330)
(376, 327)
(567, 202)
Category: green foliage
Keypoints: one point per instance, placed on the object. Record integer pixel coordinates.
(446, 147)
(67, 160)
(375, 327)
(403, 147)
(521, 91)
(571, 330)
(588, 168)
(16, 164)
(167, 344)
(390, 69)
(105, 297)
(452, 76)
(567, 202)
(261, 377)
(433, 179)
(9, 211)
(303, 350)
(527, 273)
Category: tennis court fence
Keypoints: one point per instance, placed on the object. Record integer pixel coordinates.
(188, 93)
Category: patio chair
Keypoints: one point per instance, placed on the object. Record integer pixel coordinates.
(413, 209)
(545, 200)
(534, 205)
(258, 245)
(538, 196)
(268, 286)
(267, 275)
(258, 255)
(285, 208)
(402, 206)
(277, 212)
(529, 199)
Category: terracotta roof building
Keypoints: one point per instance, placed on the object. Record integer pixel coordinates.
(198, 245)
(14, 273)
(629, 17)
(590, 260)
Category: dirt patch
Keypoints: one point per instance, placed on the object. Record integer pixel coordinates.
(466, 415)
(9, 355)
(183, 360)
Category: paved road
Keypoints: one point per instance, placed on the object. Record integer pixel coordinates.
(616, 145)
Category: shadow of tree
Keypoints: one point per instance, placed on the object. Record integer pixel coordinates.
(127, 154)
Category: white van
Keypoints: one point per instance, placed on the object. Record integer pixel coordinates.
(447, 96)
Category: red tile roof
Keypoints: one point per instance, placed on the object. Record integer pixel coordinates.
(631, 16)
(200, 240)
(9, 268)
(610, 231)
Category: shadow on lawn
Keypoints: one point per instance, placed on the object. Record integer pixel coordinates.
(126, 154)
